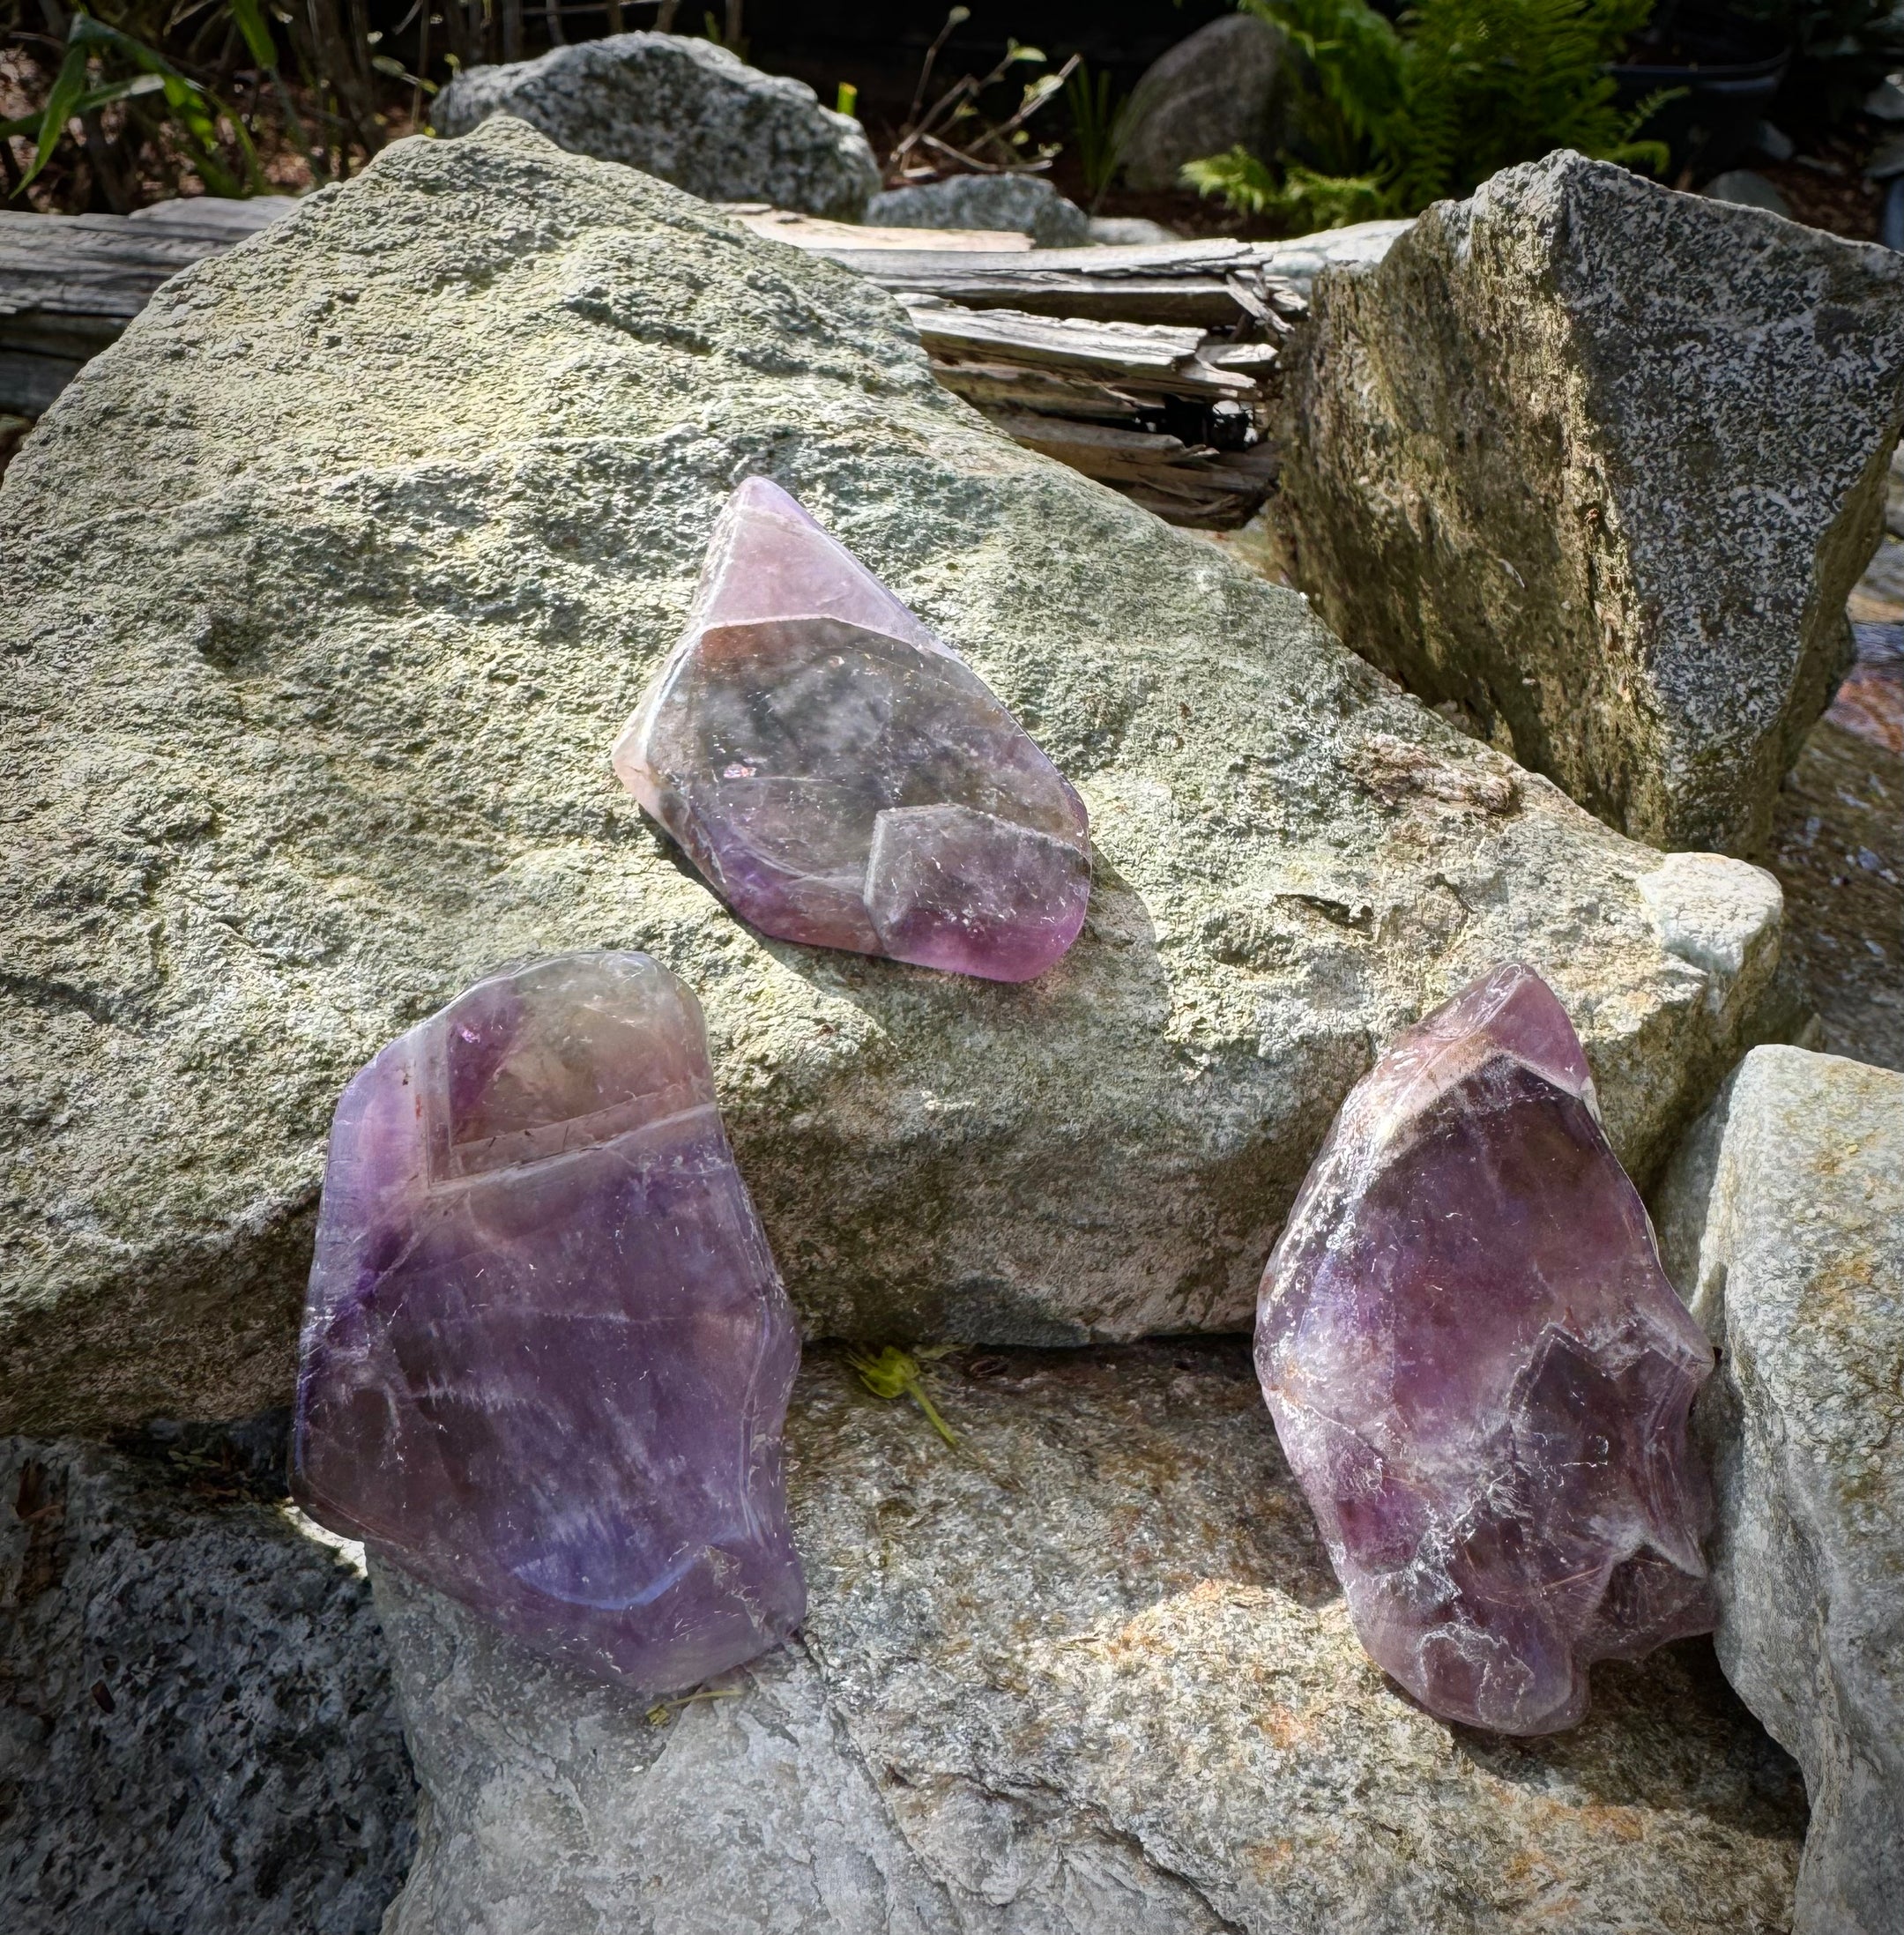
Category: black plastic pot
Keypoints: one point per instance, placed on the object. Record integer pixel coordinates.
(1726, 71)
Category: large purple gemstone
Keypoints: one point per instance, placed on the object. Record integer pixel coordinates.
(1481, 1375)
(840, 776)
(546, 1355)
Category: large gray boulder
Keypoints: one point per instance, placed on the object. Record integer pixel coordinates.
(328, 587)
(1088, 1671)
(1594, 464)
(683, 109)
(1214, 90)
(1026, 203)
(197, 1728)
(1781, 1222)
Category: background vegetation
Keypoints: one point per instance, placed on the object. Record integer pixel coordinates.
(120, 102)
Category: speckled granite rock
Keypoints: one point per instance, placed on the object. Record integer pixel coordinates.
(1087, 1673)
(1782, 1220)
(328, 587)
(683, 109)
(1595, 464)
(1838, 833)
(197, 1724)
(1027, 203)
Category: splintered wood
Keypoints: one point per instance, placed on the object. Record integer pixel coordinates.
(1147, 368)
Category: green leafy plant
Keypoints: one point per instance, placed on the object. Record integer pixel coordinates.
(953, 135)
(1392, 116)
(1102, 120)
(893, 1373)
(76, 91)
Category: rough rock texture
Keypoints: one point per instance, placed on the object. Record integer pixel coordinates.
(684, 109)
(1216, 91)
(1300, 259)
(197, 1730)
(1594, 464)
(1027, 203)
(1087, 1672)
(545, 1352)
(1838, 850)
(1838, 834)
(328, 587)
(1481, 1375)
(1782, 1220)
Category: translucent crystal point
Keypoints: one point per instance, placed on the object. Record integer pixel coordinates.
(546, 1355)
(1481, 1375)
(841, 776)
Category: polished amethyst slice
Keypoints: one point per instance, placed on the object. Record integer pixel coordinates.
(1480, 1374)
(546, 1355)
(840, 776)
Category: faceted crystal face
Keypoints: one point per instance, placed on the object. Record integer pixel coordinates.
(1481, 1375)
(546, 1355)
(840, 777)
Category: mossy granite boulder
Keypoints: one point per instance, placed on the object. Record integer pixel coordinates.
(684, 109)
(1594, 465)
(1090, 1671)
(328, 587)
(1782, 1222)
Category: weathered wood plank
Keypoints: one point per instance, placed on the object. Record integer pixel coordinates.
(70, 284)
(815, 233)
(1160, 356)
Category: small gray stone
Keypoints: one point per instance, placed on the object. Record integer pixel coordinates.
(1300, 259)
(1216, 91)
(1781, 1222)
(1089, 1671)
(1128, 232)
(197, 1730)
(1748, 188)
(685, 110)
(1597, 464)
(1026, 203)
(328, 589)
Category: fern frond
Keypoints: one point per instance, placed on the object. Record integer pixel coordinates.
(1240, 178)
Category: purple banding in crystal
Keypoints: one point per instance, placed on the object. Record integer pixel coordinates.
(546, 1355)
(1482, 1377)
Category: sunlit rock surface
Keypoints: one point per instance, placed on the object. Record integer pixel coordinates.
(1591, 466)
(327, 590)
(841, 776)
(1481, 1375)
(1782, 1222)
(546, 1355)
(1087, 1674)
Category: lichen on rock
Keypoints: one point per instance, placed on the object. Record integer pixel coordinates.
(1593, 465)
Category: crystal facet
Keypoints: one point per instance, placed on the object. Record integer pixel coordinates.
(546, 1355)
(1481, 1375)
(840, 776)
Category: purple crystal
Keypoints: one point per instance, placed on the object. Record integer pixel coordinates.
(1481, 1375)
(546, 1355)
(840, 776)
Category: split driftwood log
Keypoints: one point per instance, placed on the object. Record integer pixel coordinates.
(1146, 367)
(1172, 416)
